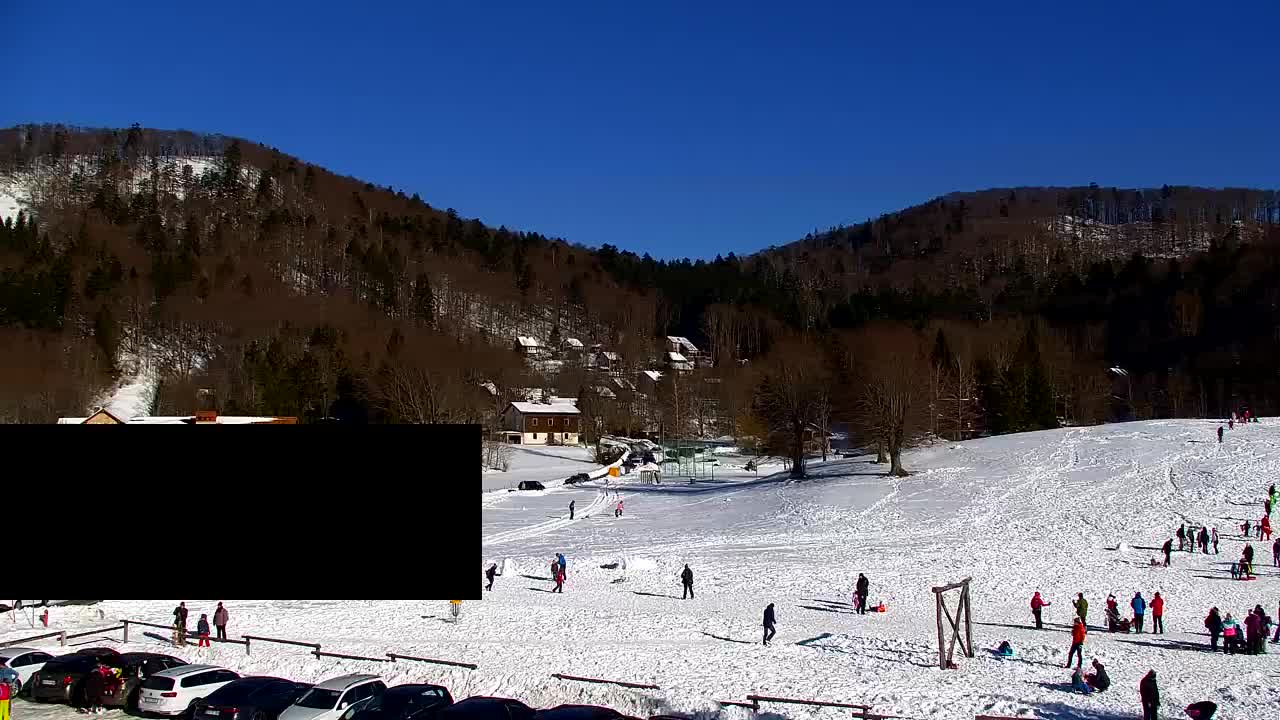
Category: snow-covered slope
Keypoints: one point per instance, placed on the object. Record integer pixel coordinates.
(1042, 511)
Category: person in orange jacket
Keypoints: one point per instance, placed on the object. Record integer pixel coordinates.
(1077, 644)
(1157, 614)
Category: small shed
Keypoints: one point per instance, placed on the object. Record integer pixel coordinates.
(650, 474)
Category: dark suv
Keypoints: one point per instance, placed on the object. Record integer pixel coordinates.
(249, 698)
(577, 479)
(403, 702)
(59, 679)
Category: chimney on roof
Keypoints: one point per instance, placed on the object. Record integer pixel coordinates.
(206, 407)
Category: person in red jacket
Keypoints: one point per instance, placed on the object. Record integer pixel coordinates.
(1265, 524)
(1157, 614)
(1037, 603)
(1077, 644)
(4, 701)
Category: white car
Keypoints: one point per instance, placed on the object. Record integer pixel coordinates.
(174, 691)
(24, 661)
(331, 698)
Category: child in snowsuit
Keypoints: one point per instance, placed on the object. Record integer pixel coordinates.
(202, 631)
(1078, 684)
(618, 512)
(1230, 635)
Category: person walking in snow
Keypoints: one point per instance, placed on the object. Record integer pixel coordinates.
(1215, 541)
(1275, 552)
(1157, 614)
(618, 511)
(202, 631)
(1204, 540)
(1167, 548)
(1150, 695)
(570, 509)
(769, 624)
(1264, 527)
(1252, 630)
(1182, 537)
(1139, 606)
(686, 579)
(1213, 623)
(1077, 643)
(490, 574)
(1037, 606)
(1219, 434)
(860, 591)
(220, 617)
(1244, 529)
(1082, 607)
(1235, 569)
(1246, 557)
(564, 564)
(559, 578)
(1231, 424)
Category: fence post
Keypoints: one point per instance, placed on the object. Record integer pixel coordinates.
(126, 632)
(62, 638)
(246, 646)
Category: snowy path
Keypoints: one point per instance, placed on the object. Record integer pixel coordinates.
(1041, 511)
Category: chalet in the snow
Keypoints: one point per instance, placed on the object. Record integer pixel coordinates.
(557, 422)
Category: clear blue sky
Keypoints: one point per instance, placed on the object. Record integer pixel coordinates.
(679, 128)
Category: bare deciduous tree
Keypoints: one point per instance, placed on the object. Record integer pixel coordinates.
(892, 374)
(795, 382)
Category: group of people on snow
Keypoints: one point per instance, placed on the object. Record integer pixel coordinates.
(1115, 623)
(220, 619)
(1249, 640)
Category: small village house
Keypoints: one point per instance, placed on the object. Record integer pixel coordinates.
(527, 346)
(534, 423)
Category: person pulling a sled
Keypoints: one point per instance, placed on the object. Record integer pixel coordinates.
(861, 589)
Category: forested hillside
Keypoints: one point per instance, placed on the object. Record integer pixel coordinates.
(213, 262)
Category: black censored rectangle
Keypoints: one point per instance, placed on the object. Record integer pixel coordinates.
(327, 511)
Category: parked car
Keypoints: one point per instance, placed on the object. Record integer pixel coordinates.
(24, 662)
(134, 669)
(176, 690)
(581, 712)
(249, 698)
(331, 698)
(486, 708)
(402, 702)
(530, 485)
(59, 679)
(577, 479)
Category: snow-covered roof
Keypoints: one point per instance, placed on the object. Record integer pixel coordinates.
(682, 342)
(554, 408)
(653, 375)
(603, 391)
(573, 343)
(611, 355)
(624, 383)
(493, 389)
(527, 341)
(677, 357)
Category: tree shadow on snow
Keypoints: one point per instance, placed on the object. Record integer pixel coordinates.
(1169, 645)
(657, 595)
(810, 641)
(725, 639)
(837, 611)
(1062, 711)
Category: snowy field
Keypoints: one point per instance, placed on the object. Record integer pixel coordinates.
(1065, 511)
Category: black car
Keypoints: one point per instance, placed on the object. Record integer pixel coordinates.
(250, 698)
(576, 479)
(530, 485)
(60, 678)
(581, 712)
(134, 668)
(486, 708)
(403, 702)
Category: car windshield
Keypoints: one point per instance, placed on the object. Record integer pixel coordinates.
(3, 660)
(157, 683)
(319, 699)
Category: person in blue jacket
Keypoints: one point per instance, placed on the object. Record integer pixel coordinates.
(560, 559)
(1139, 609)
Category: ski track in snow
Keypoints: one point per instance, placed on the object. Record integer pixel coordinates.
(1039, 511)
